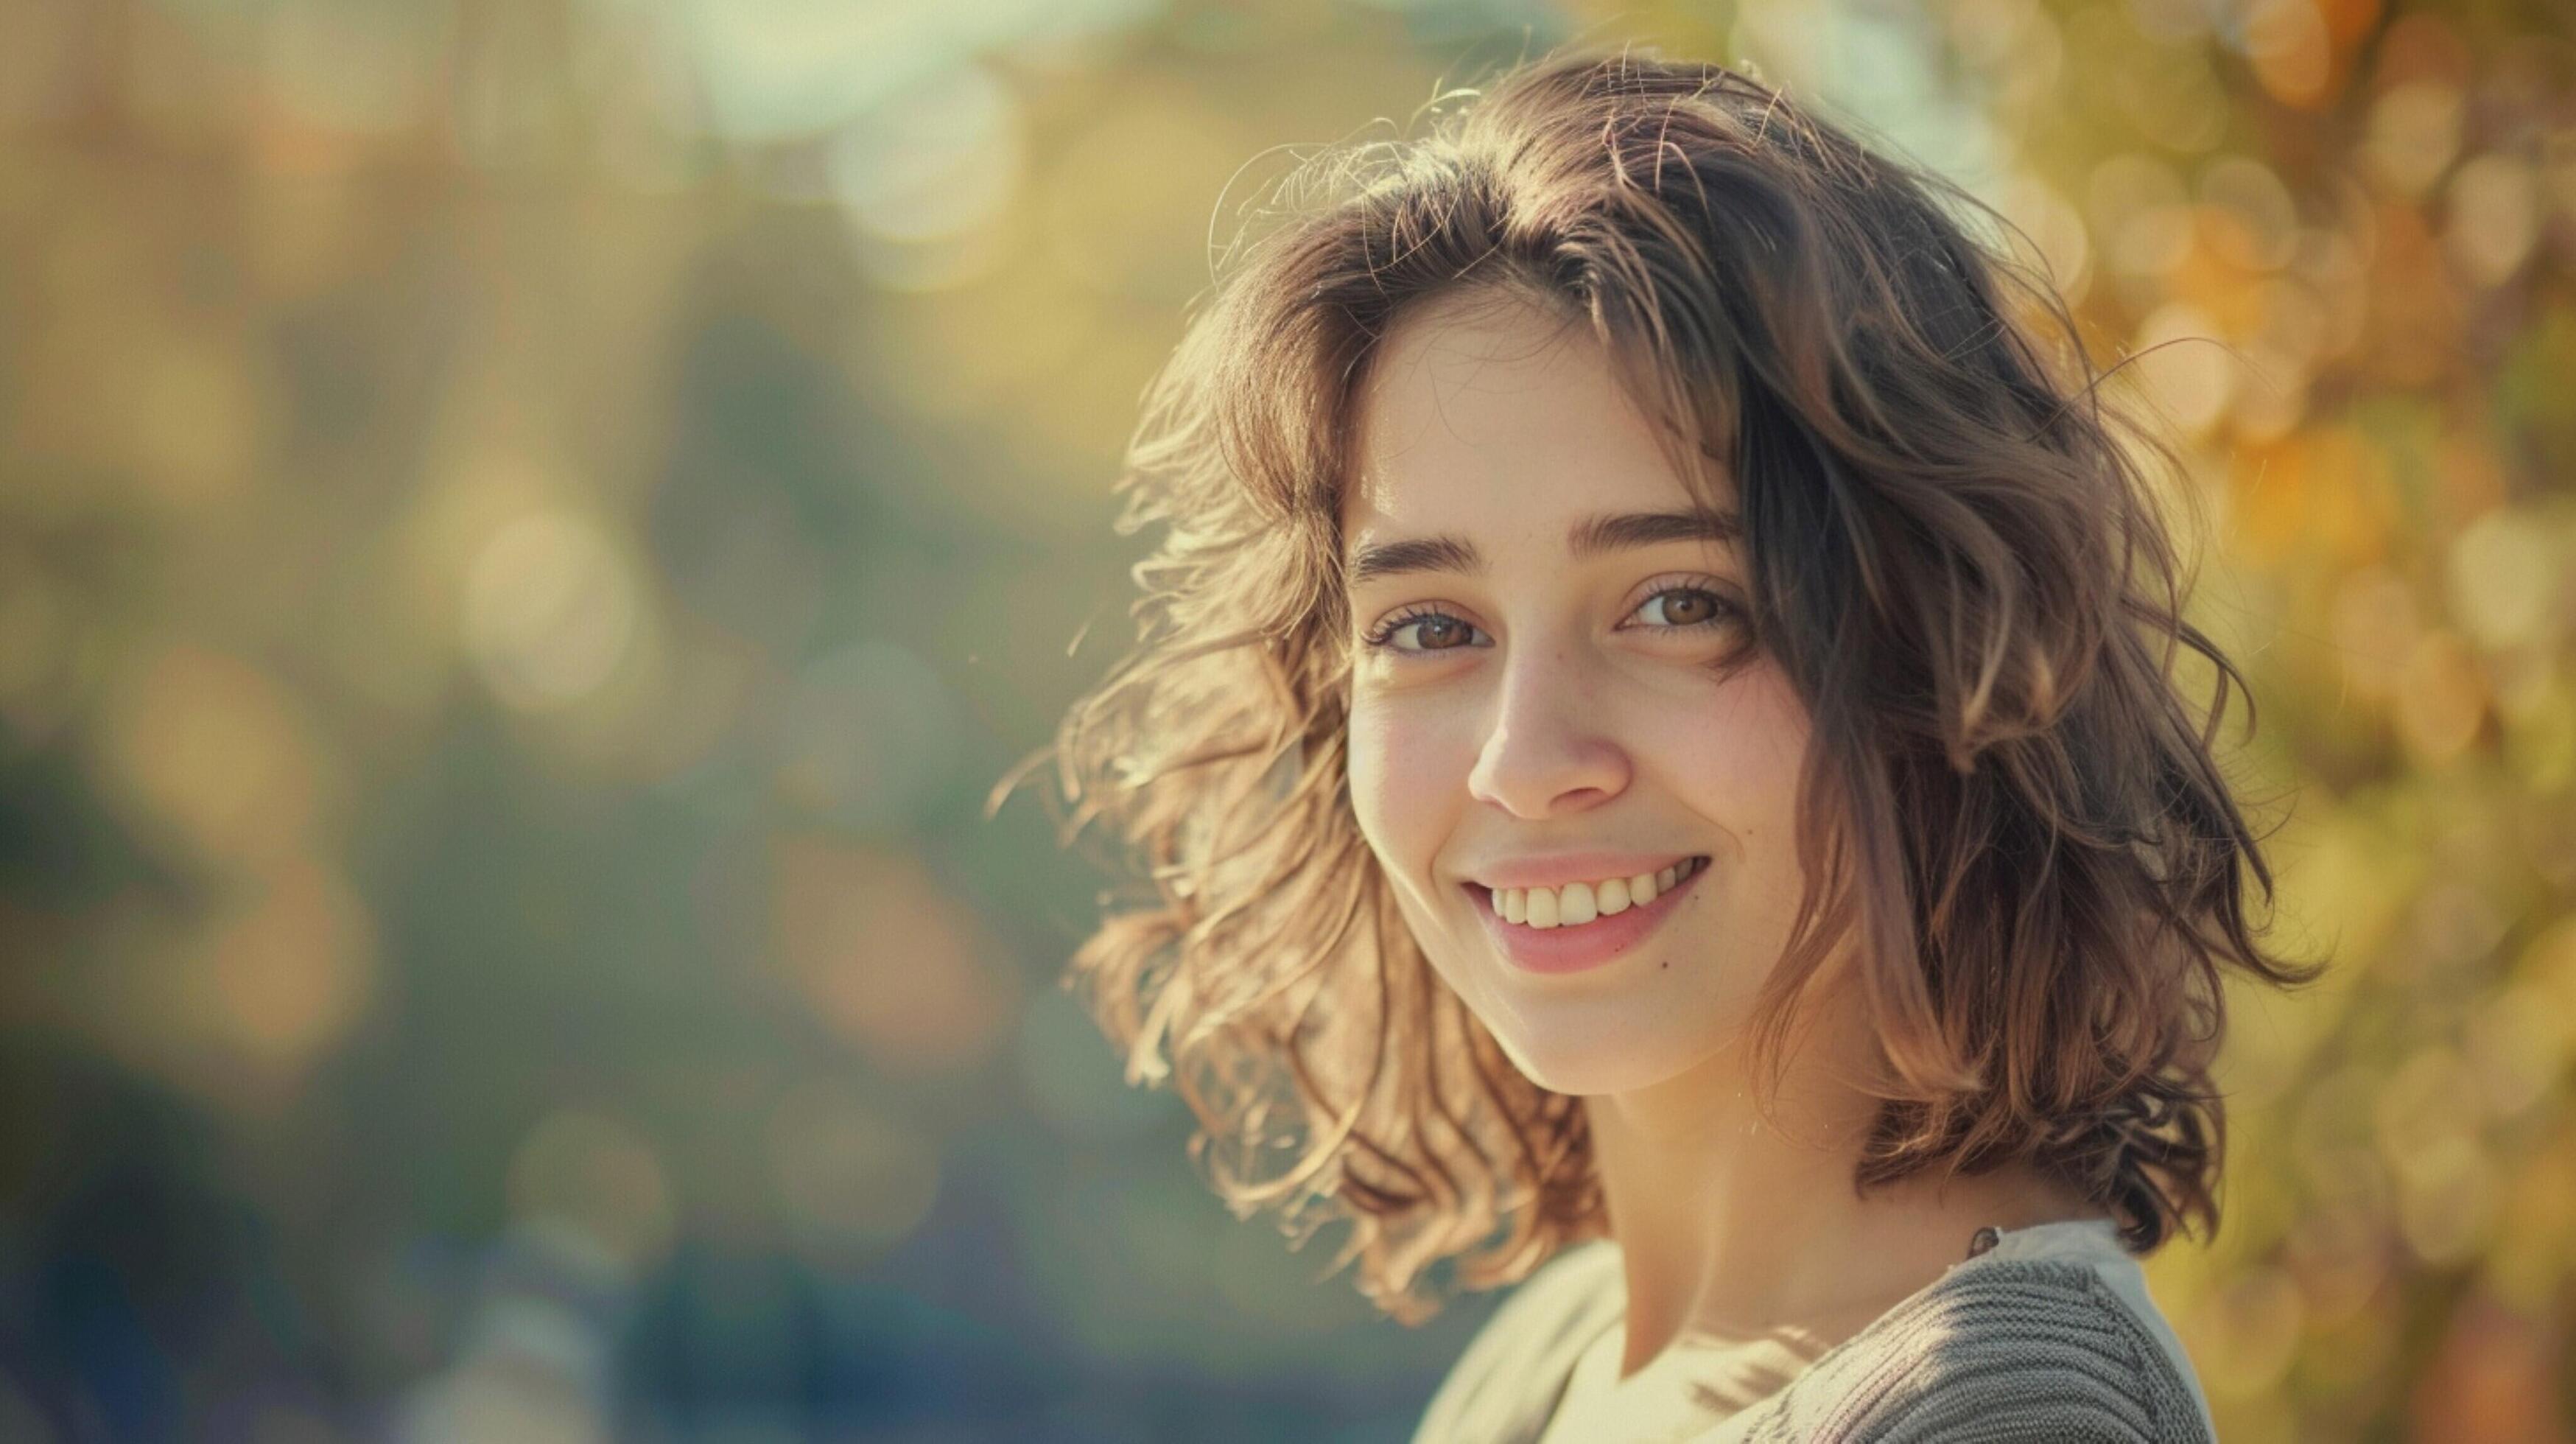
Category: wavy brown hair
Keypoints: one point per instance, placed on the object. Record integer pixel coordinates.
(1955, 554)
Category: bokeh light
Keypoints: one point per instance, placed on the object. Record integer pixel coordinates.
(549, 610)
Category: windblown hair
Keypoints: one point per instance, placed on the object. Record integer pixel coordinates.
(1954, 554)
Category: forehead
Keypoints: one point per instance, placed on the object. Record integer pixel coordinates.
(1489, 409)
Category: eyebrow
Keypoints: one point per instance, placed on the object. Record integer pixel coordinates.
(1591, 537)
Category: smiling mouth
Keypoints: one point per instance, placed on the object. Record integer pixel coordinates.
(1582, 904)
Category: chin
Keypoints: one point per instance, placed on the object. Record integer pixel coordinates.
(1591, 1058)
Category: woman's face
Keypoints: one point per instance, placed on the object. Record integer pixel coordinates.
(1553, 683)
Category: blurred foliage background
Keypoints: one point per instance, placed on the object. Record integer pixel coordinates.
(528, 531)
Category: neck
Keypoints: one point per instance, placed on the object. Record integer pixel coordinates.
(1734, 1230)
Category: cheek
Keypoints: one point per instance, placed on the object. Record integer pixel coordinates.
(1405, 781)
(1739, 754)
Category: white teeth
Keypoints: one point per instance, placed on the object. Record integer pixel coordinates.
(1578, 903)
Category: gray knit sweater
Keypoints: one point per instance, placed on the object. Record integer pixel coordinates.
(2048, 1335)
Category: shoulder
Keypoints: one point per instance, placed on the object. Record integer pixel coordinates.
(2013, 1348)
(1504, 1384)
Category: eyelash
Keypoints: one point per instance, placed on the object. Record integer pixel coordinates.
(1381, 639)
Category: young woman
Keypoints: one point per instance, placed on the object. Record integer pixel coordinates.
(1656, 742)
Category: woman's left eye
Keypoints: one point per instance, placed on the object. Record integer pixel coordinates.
(1685, 607)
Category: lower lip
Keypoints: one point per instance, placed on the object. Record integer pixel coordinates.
(1581, 948)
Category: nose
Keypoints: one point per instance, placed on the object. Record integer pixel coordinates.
(1545, 751)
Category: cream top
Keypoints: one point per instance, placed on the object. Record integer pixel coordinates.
(2053, 1326)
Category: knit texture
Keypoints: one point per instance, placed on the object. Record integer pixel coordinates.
(2004, 1347)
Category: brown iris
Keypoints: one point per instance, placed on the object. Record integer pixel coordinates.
(1679, 602)
(1434, 628)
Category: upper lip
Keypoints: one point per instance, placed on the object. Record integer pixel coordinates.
(1558, 869)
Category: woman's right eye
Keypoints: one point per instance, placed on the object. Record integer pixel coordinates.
(1435, 631)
